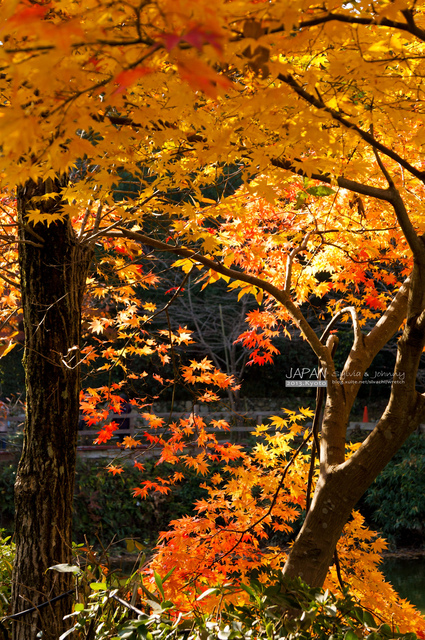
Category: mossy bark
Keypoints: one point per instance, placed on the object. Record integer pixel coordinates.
(53, 275)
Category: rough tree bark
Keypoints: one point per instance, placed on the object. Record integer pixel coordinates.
(53, 270)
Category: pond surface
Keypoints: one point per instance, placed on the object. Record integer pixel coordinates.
(407, 575)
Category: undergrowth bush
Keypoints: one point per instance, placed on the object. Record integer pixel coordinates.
(395, 502)
(275, 610)
(110, 606)
(104, 506)
(7, 553)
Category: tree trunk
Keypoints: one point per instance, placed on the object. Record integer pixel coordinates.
(53, 274)
(342, 481)
(337, 492)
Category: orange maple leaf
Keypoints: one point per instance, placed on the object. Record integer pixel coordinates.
(115, 470)
(129, 442)
(201, 77)
(128, 77)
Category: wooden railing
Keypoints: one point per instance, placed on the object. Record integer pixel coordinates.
(242, 425)
(138, 423)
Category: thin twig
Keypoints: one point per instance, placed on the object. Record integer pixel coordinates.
(11, 282)
(98, 217)
(170, 302)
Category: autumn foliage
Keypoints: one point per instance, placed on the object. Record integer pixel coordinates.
(276, 146)
(264, 492)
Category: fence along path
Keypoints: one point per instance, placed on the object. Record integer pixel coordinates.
(137, 422)
(243, 423)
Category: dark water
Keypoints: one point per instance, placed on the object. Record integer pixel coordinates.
(408, 578)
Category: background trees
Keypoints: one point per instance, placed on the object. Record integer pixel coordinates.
(319, 107)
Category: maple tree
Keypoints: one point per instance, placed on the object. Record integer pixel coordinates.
(319, 108)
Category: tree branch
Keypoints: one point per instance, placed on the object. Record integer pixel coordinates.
(280, 296)
(343, 183)
(290, 260)
(85, 220)
(390, 322)
(390, 195)
(347, 124)
(415, 242)
(408, 26)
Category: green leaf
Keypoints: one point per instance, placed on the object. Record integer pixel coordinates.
(133, 544)
(358, 612)
(98, 586)
(368, 619)
(130, 545)
(272, 590)
(307, 618)
(155, 606)
(320, 191)
(385, 631)
(149, 594)
(331, 609)
(158, 582)
(350, 635)
(248, 589)
(269, 629)
(301, 198)
(171, 571)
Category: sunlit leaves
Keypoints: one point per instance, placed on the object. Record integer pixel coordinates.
(203, 372)
(294, 95)
(161, 485)
(106, 433)
(115, 470)
(235, 519)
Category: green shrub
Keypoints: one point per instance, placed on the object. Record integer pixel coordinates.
(7, 554)
(278, 609)
(104, 506)
(109, 607)
(395, 502)
(288, 608)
